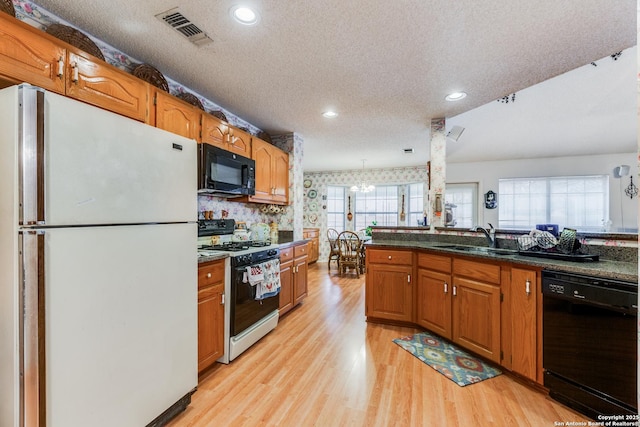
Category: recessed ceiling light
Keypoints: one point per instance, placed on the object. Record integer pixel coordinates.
(245, 15)
(330, 114)
(455, 96)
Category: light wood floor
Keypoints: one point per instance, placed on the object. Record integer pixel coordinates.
(325, 366)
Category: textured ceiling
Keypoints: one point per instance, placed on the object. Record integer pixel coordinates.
(384, 66)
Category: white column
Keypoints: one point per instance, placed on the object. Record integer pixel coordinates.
(437, 173)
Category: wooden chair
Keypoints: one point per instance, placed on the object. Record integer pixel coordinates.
(334, 253)
(349, 247)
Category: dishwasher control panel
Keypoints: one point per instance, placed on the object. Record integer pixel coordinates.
(611, 293)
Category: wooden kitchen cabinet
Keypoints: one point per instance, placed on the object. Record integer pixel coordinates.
(476, 307)
(313, 236)
(522, 345)
(210, 313)
(219, 133)
(389, 285)
(286, 280)
(293, 276)
(30, 55)
(95, 82)
(272, 173)
(174, 115)
(434, 288)
(300, 262)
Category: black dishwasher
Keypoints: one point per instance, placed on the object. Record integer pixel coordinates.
(590, 343)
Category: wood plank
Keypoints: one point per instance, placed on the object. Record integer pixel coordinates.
(325, 365)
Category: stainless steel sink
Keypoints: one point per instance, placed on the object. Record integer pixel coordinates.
(479, 249)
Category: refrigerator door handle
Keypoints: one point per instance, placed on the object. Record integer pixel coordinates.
(32, 161)
(31, 245)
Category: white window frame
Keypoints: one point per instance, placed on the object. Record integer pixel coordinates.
(525, 202)
(336, 204)
(385, 210)
(415, 203)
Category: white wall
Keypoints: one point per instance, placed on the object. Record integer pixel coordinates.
(488, 173)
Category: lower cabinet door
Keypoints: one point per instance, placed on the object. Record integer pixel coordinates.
(210, 325)
(524, 349)
(476, 317)
(389, 292)
(434, 302)
(299, 280)
(286, 287)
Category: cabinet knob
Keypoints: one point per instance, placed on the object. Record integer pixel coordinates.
(208, 275)
(527, 287)
(455, 292)
(446, 287)
(389, 256)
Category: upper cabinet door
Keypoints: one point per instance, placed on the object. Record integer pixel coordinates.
(240, 142)
(176, 116)
(214, 131)
(27, 57)
(263, 156)
(98, 83)
(280, 177)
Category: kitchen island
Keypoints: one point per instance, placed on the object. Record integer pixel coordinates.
(487, 300)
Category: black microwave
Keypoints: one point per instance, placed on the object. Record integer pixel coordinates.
(225, 174)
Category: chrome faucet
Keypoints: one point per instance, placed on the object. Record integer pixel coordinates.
(490, 234)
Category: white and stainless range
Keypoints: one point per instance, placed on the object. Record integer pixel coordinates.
(247, 319)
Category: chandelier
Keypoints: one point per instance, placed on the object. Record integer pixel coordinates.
(363, 187)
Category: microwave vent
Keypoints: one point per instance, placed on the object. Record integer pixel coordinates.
(180, 23)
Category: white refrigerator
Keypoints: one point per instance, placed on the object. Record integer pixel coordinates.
(98, 265)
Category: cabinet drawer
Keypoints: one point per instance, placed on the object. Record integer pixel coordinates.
(381, 256)
(210, 273)
(286, 254)
(310, 233)
(435, 262)
(477, 270)
(301, 250)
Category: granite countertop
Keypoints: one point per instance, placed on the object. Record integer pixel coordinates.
(213, 257)
(627, 271)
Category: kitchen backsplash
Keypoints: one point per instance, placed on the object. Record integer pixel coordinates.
(250, 213)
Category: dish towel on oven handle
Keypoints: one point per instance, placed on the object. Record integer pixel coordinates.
(265, 277)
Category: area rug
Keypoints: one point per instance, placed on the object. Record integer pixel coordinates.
(455, 364)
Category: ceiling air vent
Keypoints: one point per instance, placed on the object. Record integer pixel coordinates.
(176, 20)
(408, 151)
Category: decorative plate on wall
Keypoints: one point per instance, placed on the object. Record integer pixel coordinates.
(313, 218)
(312, 194)
(313, 206)
(306, 183)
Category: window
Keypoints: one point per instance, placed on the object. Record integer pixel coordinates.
(580, 202)
(463, 199)
(379, 205)
(335, 207)
(416, 204)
